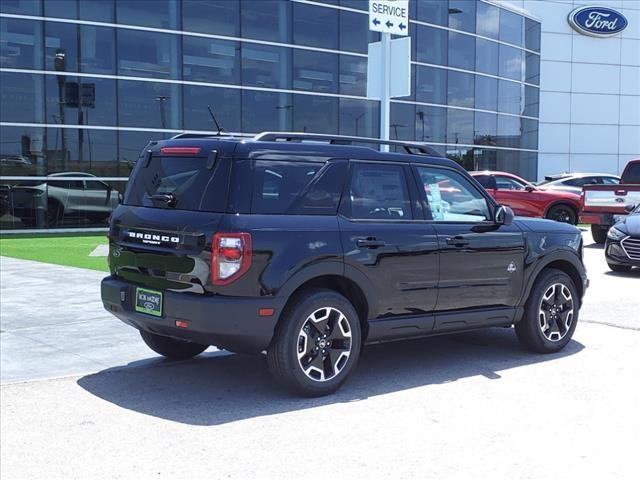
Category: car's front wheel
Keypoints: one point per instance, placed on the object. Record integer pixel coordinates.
(172, 347)
(551, 313)
(598, 233)
(317, 343)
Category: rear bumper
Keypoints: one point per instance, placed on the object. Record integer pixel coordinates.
(231, 323)
(605, 219)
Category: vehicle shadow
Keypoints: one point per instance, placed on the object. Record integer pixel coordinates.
(634, 272)
(215, 390)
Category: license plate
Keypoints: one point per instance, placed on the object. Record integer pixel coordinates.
(149, 302)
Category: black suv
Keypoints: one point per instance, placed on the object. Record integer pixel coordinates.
(307, 247)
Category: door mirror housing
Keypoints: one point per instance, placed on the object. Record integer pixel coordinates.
(629, 208)
(529, 188)
(504, 215)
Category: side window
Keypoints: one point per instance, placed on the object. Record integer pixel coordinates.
(508, 183)
(451, 197)
(276, 184)
(487, 181)
(379, 191)
(322, 195)
(610, 180)
(579, 182)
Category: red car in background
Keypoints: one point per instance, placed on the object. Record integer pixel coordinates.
(528, 200)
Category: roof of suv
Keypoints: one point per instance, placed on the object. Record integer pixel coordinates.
(316, 145)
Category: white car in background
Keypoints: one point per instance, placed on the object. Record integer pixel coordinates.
(66, 194)
(573, 182)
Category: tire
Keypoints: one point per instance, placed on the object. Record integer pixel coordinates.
(172, 348)
(317, 321)
(546, 303)
(563, 213)
(619, 268)
(598, 233)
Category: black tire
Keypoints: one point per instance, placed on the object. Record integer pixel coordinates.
(172, 348)
(530, 329)
(599, 233)
(619, 268)
(290, 338)
(563, 213)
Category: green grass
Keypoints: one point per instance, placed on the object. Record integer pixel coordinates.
(62, 249)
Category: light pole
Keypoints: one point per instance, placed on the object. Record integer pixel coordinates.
(60, 65)
(162, 99)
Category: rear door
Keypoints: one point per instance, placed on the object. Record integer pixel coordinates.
(386, 238)
(481, 264)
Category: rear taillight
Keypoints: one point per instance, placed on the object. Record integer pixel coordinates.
(231, 257)
(180, 150)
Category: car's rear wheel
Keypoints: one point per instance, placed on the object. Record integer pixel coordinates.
(619, 268)
(551, 313)
(172, 347)
(563, 213)
(598, 233)
(317, 343)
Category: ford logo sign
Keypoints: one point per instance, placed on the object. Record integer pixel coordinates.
(597, 21)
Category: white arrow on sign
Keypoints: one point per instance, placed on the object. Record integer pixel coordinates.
(389, 16)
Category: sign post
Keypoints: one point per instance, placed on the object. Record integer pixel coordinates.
(388, 17)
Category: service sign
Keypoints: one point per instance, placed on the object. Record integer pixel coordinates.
(389, 16)
(597, 21)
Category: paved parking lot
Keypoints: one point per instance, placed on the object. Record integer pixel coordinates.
(82, 397)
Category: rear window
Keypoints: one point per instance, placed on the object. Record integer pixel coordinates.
(181, 183)
(632, 174)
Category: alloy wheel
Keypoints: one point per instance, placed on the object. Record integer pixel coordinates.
(555, 314)
(324, 344)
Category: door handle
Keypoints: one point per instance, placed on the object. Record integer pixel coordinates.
(457, 241)
(370, 242)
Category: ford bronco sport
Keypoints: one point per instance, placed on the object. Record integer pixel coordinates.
(307, 247)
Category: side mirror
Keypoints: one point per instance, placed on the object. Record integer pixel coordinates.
(504, 215)
(529, 188)
(629, 208)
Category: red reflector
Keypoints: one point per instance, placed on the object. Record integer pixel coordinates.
(180, 150)
(181, 324)
(266, 312)
(231, 253)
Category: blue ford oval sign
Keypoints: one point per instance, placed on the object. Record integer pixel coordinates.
(597, 21)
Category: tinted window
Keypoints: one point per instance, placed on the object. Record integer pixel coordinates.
(264, 111)
(21, 43)
(61, 46)
(84, 101)
(486, 56)
(149, 104)
(102, 11)
(21, 97)
(97, 54)
(266, 19)
(148, 54)
(225, 103)
(511, 62)
(379, 192)
(277, 184)
(460, 89)
(531, 101)
(485, 130)
(432, 11)
(532, 35)
(159, 13)
(452, 198)
(60, 8)
(322, 195)
(459, 126)
(486, 94)
(403, 121)
(432, 44)
(632, 174)
(316, 71)
(431, 85)
(211, 60)
(610, 180)
(509, 97)
(488, 20)
(315, 26)
(26, 7)
(315, 114)
(509, 131)
(359, 117)
(487, 181)
(462, 15)
(511, 28)
(508, 183)
(353, 75)
(462, 51)
(266, 66)
(532, 68)
(221, 18)
(431, 124)
(354, 31)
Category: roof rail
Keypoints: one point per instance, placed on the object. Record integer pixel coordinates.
(209, 135)
(409, 147)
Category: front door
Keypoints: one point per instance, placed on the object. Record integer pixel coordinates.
(481, 263)
(386, 239)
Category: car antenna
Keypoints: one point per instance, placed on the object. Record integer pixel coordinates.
(214, 119)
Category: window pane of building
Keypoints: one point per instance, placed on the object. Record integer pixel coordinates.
(431, 44)
(315, 114)
(508, 131)
(317, 71)
(460, 88)
(266, 20)
(102, 11)
(532, 68)
(488, 20)
(459, 126)
(432, 11)
(462, 15)
(431, 124)
(22, 97)
(149, 104)
(486, 93)
(359, 4)
(532, 35)
(148, 54)
(315, 26)
(484, 159)
(359, 118)
(158, 13)
(266, 111)
(97, 54)
(211, 60)
(353, 75)
(531, 101)
(85, 101)
(21, 43)
(485, 128)
(205, 16)
(22, 151)
(511, 28)
(266, 66)
(61, 8)
(431, 85)
(61, 46)
(510, 97)
(529, 134)
(511, 62)
(462, 51)
(225, 103)
(24, 7)
(355, 35)
(403, 121)
(486, 56)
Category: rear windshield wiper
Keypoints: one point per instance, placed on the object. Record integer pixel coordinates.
(168, 198)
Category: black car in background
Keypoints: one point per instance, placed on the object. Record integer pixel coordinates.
(622, 247)
(306, 247)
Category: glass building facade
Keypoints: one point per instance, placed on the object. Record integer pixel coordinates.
(86, 83)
